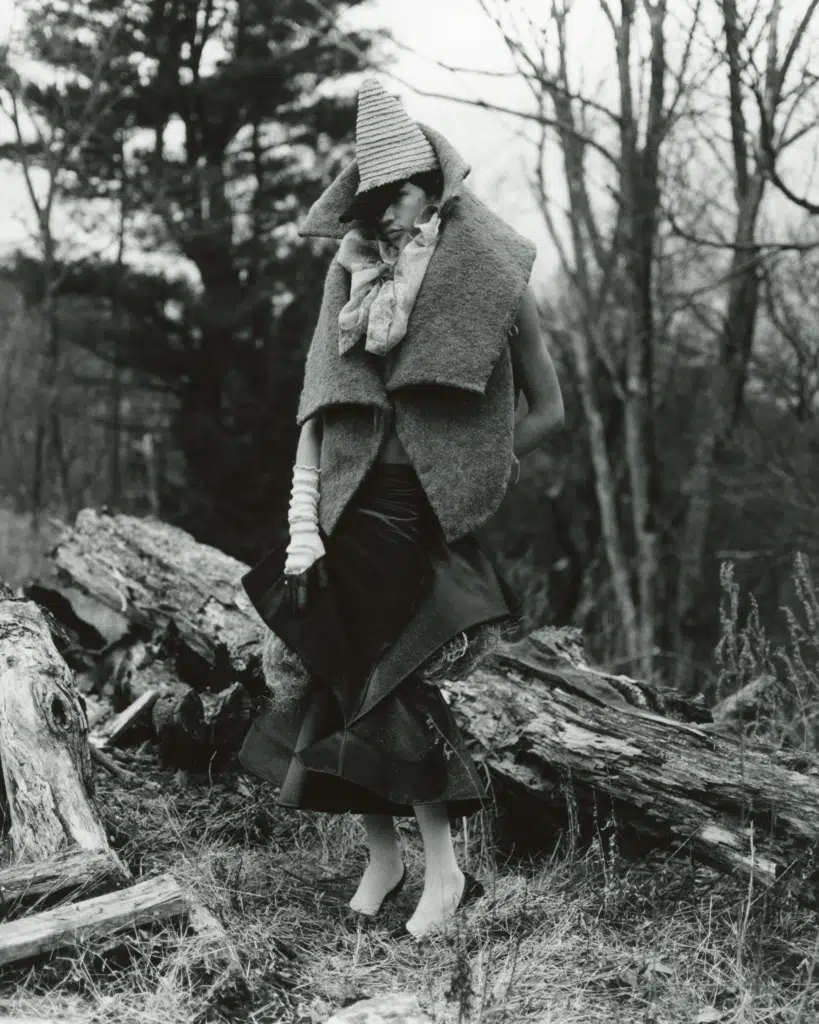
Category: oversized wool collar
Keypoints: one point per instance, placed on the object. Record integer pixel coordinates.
(462, 314)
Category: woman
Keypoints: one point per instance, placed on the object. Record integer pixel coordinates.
(427, 332)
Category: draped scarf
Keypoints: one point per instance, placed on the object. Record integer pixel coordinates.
(384, 282)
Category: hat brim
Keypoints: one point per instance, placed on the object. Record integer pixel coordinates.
(371, 204)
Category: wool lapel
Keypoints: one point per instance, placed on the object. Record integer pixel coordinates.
(467, 301)
(460, 320)
(329, 377)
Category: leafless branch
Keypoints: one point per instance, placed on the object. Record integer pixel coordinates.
(726, 246)
(796, 39)
(734, 273)
(801, 201)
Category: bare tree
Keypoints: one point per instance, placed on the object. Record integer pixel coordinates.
(754, 156)
(634, 214)
(608, 254)
(44, 154)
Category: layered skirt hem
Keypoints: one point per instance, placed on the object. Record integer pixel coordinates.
(370, 735)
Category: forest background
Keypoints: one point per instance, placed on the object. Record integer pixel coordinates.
(154, 323)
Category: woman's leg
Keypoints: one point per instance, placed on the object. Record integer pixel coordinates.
(443, 879)
(385, 867)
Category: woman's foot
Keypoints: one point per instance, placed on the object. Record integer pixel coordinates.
(439, 901)
(380, 877)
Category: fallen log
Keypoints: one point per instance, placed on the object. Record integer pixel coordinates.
(73, 872)
(152, 572)
(139, 663)
(542, 724)
(84, 634)
(43, 742)
(151, 900)
(550, 730)
(181, 733)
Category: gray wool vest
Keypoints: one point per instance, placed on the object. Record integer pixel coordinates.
(449, 380)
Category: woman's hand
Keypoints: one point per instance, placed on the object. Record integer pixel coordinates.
(304, 548)
(299, 585)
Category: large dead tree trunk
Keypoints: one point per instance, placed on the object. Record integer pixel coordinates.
(43, 744)
(541, 720)
(545, 724)
(144, 569)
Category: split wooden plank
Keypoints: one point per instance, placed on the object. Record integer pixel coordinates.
(152, 900)
(70, 871)
(125, 719)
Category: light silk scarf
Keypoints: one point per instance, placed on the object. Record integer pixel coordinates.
(384, 284)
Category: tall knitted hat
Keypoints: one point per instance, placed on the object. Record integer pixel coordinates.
(389, 144)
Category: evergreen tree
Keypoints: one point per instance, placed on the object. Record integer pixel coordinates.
(217, 123)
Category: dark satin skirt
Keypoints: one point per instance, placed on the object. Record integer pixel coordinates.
(370, 735)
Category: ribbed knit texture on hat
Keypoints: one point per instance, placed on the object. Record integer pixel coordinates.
(389, 144)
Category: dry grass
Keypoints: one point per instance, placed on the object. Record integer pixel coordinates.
(575, 937)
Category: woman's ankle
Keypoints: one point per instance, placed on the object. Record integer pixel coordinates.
(442, 872)
(382, 840)
(386, 859)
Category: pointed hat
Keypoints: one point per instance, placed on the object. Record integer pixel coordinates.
(389, 144)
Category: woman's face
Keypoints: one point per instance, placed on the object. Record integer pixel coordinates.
(397, 220)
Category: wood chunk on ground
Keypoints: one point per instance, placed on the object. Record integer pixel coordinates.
(69, 872)
(154, 899)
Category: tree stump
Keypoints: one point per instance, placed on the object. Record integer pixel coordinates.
(43, 743)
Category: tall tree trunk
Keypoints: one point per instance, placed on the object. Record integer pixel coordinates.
(639, 195)
(719, 405)
(115, 468)
(606, 499)
(722, 400)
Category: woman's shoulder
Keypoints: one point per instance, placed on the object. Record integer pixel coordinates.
(475, 212)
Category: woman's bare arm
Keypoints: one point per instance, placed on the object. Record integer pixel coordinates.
(308, 450)
(535, 373)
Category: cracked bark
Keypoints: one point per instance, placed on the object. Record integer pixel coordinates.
(43, 744)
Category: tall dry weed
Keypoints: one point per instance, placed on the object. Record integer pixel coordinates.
(786, 708)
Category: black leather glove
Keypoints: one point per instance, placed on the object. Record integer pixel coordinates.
(300, 585)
